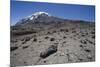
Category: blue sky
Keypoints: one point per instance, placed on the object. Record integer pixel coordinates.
(21, 9)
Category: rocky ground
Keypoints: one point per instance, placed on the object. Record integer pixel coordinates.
(67, 42)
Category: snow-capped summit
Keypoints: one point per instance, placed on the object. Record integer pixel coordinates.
(37, 14)
(40, 13)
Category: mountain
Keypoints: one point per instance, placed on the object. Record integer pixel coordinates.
(40, 21)
(39, 17)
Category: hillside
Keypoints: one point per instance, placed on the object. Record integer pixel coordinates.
(54, 42)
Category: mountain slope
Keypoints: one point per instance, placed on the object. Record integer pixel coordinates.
(39, 41)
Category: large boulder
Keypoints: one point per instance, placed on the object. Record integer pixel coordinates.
(50, 50)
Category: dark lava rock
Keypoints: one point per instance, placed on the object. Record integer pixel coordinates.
(73, 31)
(13, 48)
(90, 42)
(51, 50)
(93, 32)
(80, 59)
(44, 61)
(22, 39)
(81, 46)
(24, 47)
(67, 30)
(23, 42)
(84, 41)
(46, 37)
(54, 31)
(93, 37)
(64, 37)
(83, 35)
(87, 50)
(62, 30)
(48, 32)
(52, 39)
(35, 39)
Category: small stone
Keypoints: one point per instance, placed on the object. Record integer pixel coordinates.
(52, 39)
(83, 35)
(87, 50)
(74, 31)
(24, 47)
(44, 61)
(93, 37)
(15, 54)
(25, 62)
(35, 39)
(64, 37)
(46, 37)
(80, 59)
(84, 41)
(67, 30)
(89, 57)
(62, 30)
(56, 43)
(93, 32)
(54, 31)
(81, 46)
(64, 42)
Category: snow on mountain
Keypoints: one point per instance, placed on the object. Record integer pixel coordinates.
(40, 13)
(35, 15)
